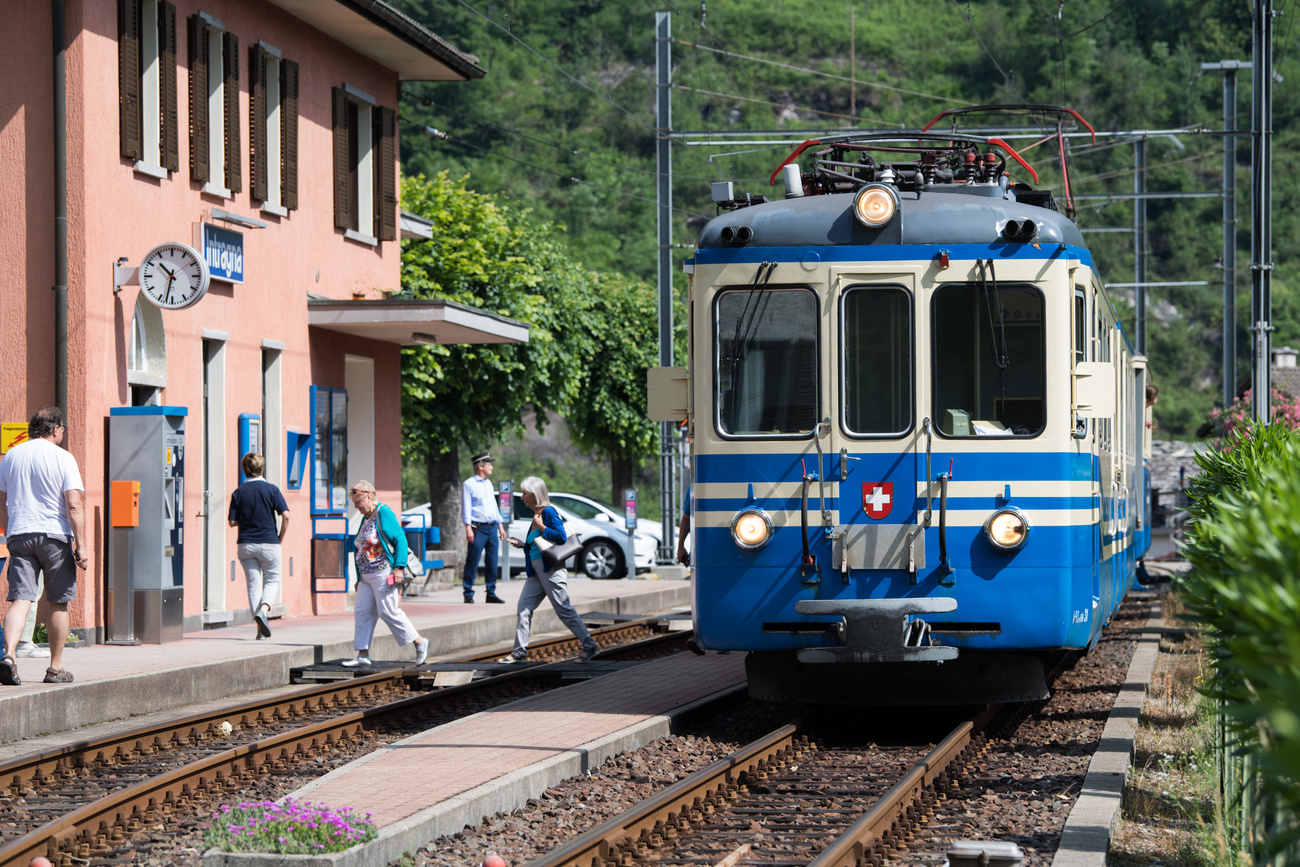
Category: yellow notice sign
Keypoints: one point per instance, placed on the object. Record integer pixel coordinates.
(11, 434)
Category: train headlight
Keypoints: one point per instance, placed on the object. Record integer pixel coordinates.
(875, 205)
(751, 529)
(1007, 529)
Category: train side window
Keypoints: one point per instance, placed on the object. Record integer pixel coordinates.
(989, 351)
(876, 364)
(1080, 325)
(767, 361)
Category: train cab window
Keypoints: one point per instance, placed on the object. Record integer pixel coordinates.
(877, 361)
(989, 360)
(767, 359)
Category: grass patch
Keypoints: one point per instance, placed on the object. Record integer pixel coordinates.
(1170, 815)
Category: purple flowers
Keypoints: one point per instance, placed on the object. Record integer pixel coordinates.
(290, 827)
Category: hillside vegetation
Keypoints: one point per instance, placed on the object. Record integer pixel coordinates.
(563, 124)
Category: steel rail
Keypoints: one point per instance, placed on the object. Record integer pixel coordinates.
(884, 820)
(681, 798)
(118, 810)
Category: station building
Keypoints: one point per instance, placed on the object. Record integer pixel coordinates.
(262, 135)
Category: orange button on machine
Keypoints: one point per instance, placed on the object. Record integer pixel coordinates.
(126, 504)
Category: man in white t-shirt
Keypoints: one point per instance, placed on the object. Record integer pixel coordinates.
(42, 506)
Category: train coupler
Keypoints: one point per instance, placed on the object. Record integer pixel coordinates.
(880, 630)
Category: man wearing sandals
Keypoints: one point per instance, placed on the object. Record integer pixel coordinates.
(42, 505)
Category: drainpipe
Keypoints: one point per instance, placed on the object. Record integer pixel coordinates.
(60, 212)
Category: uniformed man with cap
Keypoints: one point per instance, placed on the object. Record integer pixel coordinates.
(484, 526)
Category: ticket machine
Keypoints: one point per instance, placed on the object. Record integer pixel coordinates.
(144, 601)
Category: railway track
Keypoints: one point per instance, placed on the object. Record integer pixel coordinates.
(787, 798)
(85, 801)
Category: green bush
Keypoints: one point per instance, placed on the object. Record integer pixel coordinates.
(1244, 546)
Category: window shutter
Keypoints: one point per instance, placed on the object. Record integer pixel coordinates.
(171, 157)
(289, 134)
(386, 174)
(341, 166)
(230, 94)
(199, 131)
(128, 78)
(257, 116)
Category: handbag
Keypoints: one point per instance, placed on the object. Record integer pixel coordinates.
(554, 554)
(414, 565)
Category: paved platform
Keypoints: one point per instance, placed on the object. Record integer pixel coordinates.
(115, 682)
(452, 775)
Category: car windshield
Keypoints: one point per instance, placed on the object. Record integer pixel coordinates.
(582, 509)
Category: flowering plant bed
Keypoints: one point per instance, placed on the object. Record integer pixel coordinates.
(289, 828)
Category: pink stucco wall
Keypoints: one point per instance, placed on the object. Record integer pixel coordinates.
(115, 212)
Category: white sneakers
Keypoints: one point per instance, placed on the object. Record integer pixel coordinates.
(421, 651)
(359, 662)
(27, 650)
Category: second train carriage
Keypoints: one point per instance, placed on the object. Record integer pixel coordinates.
(919, 433)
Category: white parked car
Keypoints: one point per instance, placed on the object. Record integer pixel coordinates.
(590, 509)
(602, 541)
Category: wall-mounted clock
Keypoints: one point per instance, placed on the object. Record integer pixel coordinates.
(174, 276)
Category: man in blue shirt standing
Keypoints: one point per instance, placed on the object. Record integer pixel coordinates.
(484, 526)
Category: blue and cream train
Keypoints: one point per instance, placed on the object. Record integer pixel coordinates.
(919, 430)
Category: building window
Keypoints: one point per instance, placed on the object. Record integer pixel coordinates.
(365, 167)
(273, 129)
(146, 73)
(146, 354)
(214, 107)
(329, 414)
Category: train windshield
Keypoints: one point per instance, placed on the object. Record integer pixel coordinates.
(989, 360)
(877, 362)
(766, 365)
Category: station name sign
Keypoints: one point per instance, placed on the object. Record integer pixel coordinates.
(223, 250)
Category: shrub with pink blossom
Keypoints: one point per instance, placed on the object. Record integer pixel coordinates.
(1235, 420)
(289, 827)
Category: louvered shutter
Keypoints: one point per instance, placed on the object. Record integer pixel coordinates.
(128, 78)
(386, 174)
(258, 111)
(289, 133)
(200, 168)
(341, 162)
(230, 95)
(171, 158)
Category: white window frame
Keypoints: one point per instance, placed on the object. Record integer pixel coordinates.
(216, 106)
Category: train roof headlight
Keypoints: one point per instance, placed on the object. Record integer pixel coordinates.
(875, 205)
(1007, 529)
(751, 529)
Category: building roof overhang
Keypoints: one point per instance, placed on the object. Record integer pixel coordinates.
(412, 322)
(389, 37)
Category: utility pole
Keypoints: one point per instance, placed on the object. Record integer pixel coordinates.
(664, 209)
(853, 60)
(1229, 261)
(1261, 202)
(1140, 244)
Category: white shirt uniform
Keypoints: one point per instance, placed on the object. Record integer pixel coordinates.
(478, 501)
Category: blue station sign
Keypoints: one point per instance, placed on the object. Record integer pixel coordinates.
(223, 249)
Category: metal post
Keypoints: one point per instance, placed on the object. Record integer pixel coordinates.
(664, 204)
(1261, 254)
(1230, 234)
(1140, 244)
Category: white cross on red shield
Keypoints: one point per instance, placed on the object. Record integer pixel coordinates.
(877, 499)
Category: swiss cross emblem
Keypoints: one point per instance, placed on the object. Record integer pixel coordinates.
(877, 498)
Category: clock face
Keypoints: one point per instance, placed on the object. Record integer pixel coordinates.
(173, 276)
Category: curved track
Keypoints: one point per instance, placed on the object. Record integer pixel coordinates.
(103, 790)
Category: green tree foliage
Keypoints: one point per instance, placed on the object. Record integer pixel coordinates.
(496, 259)
(564, 123)
(608, 416)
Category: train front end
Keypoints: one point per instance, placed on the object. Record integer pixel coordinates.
(908, 401)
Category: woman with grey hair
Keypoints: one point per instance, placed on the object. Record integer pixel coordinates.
(543, 583)
(381, 566)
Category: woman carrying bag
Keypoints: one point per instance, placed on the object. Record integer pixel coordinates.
(545, 582)
(381, 554)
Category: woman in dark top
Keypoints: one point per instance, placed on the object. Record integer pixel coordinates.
(543, 583)
(253, 508)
